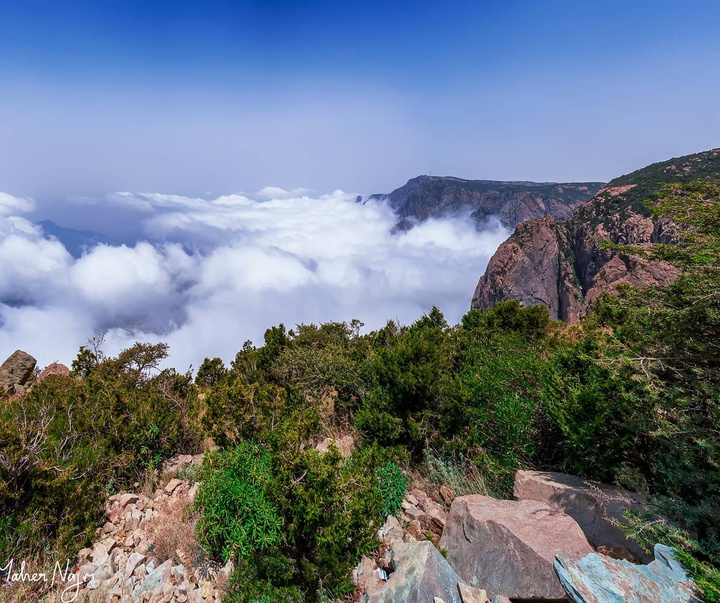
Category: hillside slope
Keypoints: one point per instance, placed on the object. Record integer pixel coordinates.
(567, 264)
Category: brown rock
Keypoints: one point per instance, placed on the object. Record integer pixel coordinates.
(415, 529)
(421, 498)
(508, 547)
(469, 594)
(54, 369)
(438, 517)
(16, 370)
(447, 494)
(391, 532)
(132, 563)
(127, 499)
(618, 552)
(590, 504)
(366, 577)
(172, 485)
(527, 268)
(415, 514)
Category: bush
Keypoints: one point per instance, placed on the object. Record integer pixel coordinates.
(237, 517)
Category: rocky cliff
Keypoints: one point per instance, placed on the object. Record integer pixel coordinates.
(433, 197)
(567, 264)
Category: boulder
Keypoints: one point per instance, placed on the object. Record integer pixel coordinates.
(600, 579)
(590, 504)
(421, 573)
(508, 547)
(16, 370)
(54, 369)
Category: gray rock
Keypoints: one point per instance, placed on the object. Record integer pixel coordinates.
(599, 579)
(154, 577)
(508, 547)
(421, 573)
(590, 505)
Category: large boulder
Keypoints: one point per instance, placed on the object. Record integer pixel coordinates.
(55, 368)
(508, 547)
(16, 370)
(599, 579)
(590, 504)
(421, 573)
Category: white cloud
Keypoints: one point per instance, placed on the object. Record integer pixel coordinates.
(214, 273)
(10, 204)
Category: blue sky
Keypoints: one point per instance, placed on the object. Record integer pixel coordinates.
(208, 98)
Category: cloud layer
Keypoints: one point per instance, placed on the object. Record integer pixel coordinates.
(211, 274)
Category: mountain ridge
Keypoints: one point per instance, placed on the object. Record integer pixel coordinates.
(425, 197)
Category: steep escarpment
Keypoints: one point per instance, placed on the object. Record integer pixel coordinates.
(567, 264)
(534, 267)
(433, 197)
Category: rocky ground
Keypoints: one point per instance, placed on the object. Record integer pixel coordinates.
(147, 553)
(555, 542)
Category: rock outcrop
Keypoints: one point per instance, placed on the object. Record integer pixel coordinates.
(16, 371)
(591, 505)
(512, 202)
(508, 547)
(567, 264)
(599, 579)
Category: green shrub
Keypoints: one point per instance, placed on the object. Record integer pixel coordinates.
(237, 517)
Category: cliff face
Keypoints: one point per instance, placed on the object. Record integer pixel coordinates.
(433, 197)
(564, 264)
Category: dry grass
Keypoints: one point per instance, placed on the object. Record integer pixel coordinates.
(463, 477)
(173, 533)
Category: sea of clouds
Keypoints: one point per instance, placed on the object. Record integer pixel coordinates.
(207, 275)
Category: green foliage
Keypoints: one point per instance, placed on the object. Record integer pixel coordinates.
(237, 518)
(211, 372)
(69, 442)
(392, 486)
(297, 523)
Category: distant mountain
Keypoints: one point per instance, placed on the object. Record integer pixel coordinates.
(75, 241)
(565, 264)
(434, 197)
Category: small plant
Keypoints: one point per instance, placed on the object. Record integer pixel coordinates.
(392, 487)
